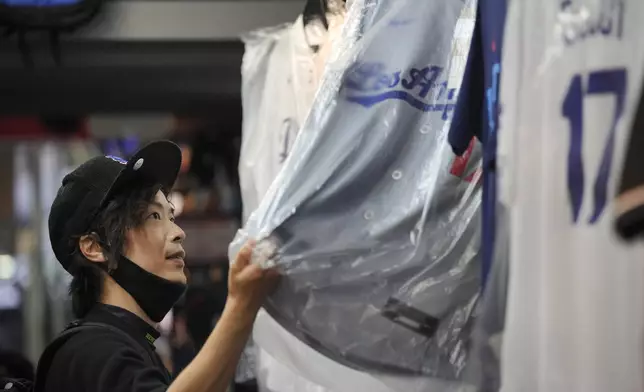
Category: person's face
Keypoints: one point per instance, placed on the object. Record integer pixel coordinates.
(156, 245)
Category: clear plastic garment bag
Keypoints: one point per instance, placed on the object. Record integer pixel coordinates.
(372, 220)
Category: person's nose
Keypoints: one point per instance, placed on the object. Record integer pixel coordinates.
(178, 235)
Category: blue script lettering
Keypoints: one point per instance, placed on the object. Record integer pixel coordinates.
(400, 22)
(117, 159)
(424, 78)
(578, 23)
(368, 84)
(492, 96)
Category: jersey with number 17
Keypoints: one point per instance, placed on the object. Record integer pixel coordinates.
(572, 72)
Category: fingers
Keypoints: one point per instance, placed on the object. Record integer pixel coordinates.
(248, 279)
(243, 257)
(248, 283)
(250, 273)
(255, 272)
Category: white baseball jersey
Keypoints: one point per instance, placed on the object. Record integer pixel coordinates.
(279, 80)
(280, 74)
(572, 71)
(343, 378)
(378, 86)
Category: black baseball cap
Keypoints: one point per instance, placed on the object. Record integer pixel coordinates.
(86, 190)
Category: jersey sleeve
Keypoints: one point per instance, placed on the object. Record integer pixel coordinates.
(629, 205)
(103, 362)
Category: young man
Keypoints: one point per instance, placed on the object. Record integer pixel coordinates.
(112, 228)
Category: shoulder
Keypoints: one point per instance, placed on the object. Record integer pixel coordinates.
(96, 342)
(103, 360)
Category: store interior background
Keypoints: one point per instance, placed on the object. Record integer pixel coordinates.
(143, 70)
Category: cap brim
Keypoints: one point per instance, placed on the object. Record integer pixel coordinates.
(157, 163)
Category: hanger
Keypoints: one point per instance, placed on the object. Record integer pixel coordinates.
(315, 10)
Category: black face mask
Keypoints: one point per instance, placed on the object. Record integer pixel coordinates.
(155, 295)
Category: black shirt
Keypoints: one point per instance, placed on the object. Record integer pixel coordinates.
(99, 360)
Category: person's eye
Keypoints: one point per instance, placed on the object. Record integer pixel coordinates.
(155, 215)
(172, 218)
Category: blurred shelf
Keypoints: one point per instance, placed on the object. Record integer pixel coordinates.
(207, 240)
(125, 77)
(190, 218)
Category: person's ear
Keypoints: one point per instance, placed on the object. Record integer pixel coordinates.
(91, 249)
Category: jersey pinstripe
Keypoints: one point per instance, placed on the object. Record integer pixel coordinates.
(570, 82)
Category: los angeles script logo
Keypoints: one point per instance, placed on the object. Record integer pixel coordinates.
(368, 84)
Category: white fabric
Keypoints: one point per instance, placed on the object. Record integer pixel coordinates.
(278, 85)
(331, 38)
(278, 375)
(295, 355)
(575, 317)
(315, 372)
(280, 74)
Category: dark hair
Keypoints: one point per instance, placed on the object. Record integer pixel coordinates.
(126, 211)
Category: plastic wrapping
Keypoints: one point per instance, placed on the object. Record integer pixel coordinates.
(279, 78)
(372, 220)
(260, 49)
(265, 67)
(484, 368)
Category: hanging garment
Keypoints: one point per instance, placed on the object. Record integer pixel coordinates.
(291, 353)
(280, 73)
(279, 80)
(476, 116)
(278, 85)
(484, 370)
(570, 84)
(476, 113)
(374, 221)
(279, 352)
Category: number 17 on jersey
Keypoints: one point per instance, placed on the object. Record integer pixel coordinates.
(609, 81)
